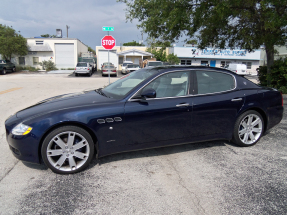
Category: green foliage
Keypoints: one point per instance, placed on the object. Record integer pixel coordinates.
(29, 68)
(160, 54)
(277, 77)
(133, 43)
(91, 50)
(192, 42)
(11, 43)
(247, 24)
(48, 35)
(173, 59)
(48, 65)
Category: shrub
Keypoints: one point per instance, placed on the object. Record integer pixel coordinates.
(48, 65)
(277, 77)
(29, 68)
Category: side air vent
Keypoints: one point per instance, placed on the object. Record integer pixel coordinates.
(109, 120)
(101, 121)
(118, 119)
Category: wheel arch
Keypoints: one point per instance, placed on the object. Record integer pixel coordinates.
(83, 126)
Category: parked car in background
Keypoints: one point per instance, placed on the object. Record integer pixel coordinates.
(240, 69)
(124, 66)
(109, 69)
(5, 66)
(154, 63)
(149, 108)
(91, 61)
(83, 68)
(132, 67)
(105, 64)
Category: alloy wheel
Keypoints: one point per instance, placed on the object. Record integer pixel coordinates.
(250, 129)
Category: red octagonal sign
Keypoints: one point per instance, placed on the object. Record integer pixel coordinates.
(108, 42)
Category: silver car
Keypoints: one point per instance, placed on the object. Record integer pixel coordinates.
(109, 69)
(83, 68)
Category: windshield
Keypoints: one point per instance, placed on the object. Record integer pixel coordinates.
(133, 66)
(82, 65)
(109, 67)
(154, 63)
(125, 64)
(123, 86)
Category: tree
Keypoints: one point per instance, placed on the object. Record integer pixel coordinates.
(11, 43)
(192, 42)
(247, 24)
(159, 54)
(133, 43)
(91, 50)
(173, 59)
(48, 35)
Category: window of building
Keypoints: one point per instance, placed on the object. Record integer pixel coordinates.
(224, 64)
(249, 65)
(188, 62)
(182, 62)
(213, 82)
(185, 62)
(35, 60)
(204, 63)
(38, 42)
(244, 63)
(21, 60)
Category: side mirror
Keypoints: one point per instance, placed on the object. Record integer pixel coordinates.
(148, 93)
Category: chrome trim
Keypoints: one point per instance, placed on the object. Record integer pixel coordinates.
(234, 100)
(118, 119)
(189, 95)
(101, 121)
(109, 120)
(183, 105)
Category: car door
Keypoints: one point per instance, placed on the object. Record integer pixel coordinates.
(216, 103)
(152, 122)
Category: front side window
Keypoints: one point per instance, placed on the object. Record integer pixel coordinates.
(214, 82)
(123, 86)
(173, 84)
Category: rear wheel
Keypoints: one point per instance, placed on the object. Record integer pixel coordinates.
(13, 69)
(68, 149)
(76, 74)
(248, 129)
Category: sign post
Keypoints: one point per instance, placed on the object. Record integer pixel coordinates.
(108, 42)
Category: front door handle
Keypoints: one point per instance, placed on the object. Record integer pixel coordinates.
(182, 105)
(235, 100)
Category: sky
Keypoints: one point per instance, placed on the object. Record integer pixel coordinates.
(85, 18)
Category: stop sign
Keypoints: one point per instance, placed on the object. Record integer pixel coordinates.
(108, 42)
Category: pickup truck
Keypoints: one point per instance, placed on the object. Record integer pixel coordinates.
(91, 61)
(6, 65)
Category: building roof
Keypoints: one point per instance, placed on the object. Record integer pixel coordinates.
(40, 48)
(126, 52)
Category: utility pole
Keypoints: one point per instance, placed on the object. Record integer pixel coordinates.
(67, 30)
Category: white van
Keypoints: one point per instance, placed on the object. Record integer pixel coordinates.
(240, 69)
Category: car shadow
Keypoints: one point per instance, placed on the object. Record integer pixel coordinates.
(168, 150)
(41, 166)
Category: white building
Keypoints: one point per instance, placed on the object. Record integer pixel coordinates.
(64, 52)
(217, 57)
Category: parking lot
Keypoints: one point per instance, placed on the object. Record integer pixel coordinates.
(197, 178)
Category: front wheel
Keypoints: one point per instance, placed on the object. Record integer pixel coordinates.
(68, 149)
(248, 128)
(3, 72)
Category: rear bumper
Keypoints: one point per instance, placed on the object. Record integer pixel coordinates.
(83, 72)
(275, 115)
(112, 73)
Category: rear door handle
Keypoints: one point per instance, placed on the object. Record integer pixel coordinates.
(182, 105)
(238, 99)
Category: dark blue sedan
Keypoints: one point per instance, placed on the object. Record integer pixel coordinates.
(152, 107)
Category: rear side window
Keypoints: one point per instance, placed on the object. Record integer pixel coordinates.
(213, 82)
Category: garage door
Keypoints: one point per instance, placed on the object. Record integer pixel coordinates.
(64, 55)
(103, 57)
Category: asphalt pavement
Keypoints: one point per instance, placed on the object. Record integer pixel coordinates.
(203, 178)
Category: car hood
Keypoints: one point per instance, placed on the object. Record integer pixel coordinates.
(65, 101)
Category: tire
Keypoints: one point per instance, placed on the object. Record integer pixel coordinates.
(248, 128)
(76, 74)
(63, 157)
(13, 69)
(3, 72)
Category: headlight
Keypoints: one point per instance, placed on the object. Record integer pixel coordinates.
(21, 129)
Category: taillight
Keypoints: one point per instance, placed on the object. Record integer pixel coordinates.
(89, 68)
(114, 71)
(236, 71)
(76, 68)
